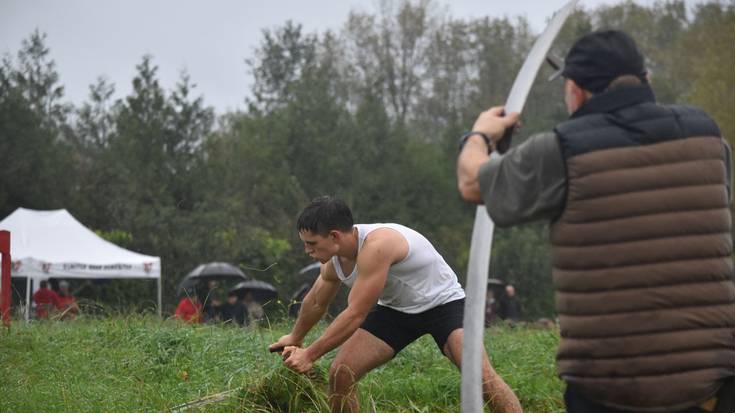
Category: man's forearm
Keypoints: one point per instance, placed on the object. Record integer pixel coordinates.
(310, 313)
(346, 323)
(472, 157)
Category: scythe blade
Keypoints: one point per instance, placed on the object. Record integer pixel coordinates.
(482, 232)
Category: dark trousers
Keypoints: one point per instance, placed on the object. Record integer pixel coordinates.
(577, 403)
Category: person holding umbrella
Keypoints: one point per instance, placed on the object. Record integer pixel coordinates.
(211, 299)
(234, 311)
(401, 289)
(255, 310)
(253, 293)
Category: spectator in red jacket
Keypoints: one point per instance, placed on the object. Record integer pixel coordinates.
(68, 302)
(189, 308)
(46, 300)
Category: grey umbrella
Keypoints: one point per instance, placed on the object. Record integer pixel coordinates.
(211, 271)
(260, 290)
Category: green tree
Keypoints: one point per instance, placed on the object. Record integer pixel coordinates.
(36, 164)
(656, 30)
(34, 76)
(143, 173)
(95, 119)
(279, 63)
(370, 114)
(711, 83)
(389, 52)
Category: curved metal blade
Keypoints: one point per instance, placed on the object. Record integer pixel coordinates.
(524, 80)
(482, 232)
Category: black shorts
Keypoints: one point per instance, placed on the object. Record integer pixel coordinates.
(400, 329)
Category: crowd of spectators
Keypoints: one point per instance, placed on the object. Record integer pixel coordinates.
(204, 304)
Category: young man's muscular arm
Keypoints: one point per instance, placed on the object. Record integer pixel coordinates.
(313, 307)
(381, 249)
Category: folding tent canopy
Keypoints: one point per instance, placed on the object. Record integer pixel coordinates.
(53, 244)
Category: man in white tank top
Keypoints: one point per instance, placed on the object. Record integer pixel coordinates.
(401, 289)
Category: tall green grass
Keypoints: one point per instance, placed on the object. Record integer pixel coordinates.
(139, 363)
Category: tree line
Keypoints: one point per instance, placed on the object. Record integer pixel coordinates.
(370, 113)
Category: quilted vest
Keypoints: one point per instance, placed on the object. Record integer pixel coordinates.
(642, 254)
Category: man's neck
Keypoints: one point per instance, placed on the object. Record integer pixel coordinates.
(348, 245)
(614, 99)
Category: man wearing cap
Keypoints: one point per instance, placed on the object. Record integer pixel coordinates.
(637, 194)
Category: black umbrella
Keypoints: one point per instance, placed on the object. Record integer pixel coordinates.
(260, 290)
(495, 282)
(296, 298)
(311, 271)
(211, 271)
(496, 285)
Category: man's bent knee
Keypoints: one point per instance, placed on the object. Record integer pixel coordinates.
(341, 378)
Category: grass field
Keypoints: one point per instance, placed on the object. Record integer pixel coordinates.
(136, 363)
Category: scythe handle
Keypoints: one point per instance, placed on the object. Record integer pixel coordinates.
(504, 142)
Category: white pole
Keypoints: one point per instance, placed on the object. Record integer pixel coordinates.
(28, 298)
(159, 296)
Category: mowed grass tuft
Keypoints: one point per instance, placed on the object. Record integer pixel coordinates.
(140, 363)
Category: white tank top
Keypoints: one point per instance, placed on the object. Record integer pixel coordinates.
(420, 281)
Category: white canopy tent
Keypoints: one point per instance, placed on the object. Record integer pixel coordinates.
(53, 244)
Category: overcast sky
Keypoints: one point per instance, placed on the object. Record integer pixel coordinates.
(208, 39)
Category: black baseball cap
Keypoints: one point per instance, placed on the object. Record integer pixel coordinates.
(598, 58)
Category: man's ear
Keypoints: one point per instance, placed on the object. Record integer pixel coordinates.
(336, 235)
(575, 96)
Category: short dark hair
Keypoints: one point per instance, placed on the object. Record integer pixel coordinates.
(44, 284)
(325, 214)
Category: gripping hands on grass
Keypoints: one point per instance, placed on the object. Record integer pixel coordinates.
(285, 341)
(294, 357)
(297, 359)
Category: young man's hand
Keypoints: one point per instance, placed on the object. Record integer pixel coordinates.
(297, 359)
(283, 342)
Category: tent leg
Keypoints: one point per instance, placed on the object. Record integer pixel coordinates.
(5, 281)
(28, 298)
(159, 296)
